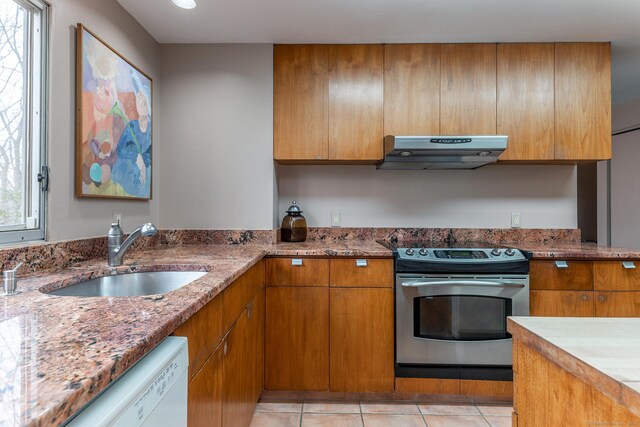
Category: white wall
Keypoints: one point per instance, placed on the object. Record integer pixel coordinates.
(69, 217)
(217, 137)
(545, 196)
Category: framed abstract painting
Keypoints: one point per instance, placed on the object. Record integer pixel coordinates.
(113, 122)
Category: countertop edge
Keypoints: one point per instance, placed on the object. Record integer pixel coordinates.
(616, 390)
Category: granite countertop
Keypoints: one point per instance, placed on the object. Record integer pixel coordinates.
(576, 250)
(57, 353)
(602, 352)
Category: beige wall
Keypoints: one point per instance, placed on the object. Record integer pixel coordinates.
(69, 217)
(545, 196)
(217, 137)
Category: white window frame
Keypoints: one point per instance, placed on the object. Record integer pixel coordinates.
(36, 110)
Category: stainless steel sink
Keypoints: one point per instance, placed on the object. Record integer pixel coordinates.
(131, 284)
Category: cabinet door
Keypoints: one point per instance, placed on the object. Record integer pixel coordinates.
(237, 408)
(561, 303)
(297, 339)
(583, 101)
(617, 275)
(205, 392)
(526, 100)
(361, 273)
(618, 304)
(361, 346)
(355, 102)
(296, 272)
(412, 89)
(468, 89)
(256, 326)
(300, 102)
(561, 275)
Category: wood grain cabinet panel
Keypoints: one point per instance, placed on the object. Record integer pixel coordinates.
(561, 304)
(300, 102)
(301, 272)
(297, 339)
(468, 89)
(205, 393)
(236, 297)
(614, 276)
(361, 344)
(238, 404)
(204, 331)
(525, 91)
(354, 273)
(355, 102)
(582, 101)
(577, 275)
(618, 304)
(412, 89)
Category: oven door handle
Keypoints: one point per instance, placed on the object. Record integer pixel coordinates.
(484, 283)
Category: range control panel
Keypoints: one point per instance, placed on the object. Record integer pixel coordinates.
(470, 255)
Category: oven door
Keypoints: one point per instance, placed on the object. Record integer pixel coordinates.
(457, 320)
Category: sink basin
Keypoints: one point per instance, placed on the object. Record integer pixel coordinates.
(131, 284)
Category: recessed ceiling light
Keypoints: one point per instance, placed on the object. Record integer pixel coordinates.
(184, 4)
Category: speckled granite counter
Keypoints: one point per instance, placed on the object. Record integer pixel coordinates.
(602, 352)
(57, 353)
(577, 250)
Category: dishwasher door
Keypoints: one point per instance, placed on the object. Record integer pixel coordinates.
(153, 392)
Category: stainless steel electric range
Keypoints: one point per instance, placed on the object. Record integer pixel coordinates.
(451, 305)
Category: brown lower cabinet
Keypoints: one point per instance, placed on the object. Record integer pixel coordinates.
(361, 344)
(618, 304)
(562, 303)
(225, 388)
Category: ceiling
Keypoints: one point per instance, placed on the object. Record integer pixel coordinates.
(395, 21)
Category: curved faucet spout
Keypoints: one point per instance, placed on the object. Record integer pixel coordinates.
(117, 248)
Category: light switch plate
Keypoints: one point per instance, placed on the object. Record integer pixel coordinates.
(515, 220)
(335, 219)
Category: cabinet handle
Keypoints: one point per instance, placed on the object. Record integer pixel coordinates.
(361, 263)
(562, 264)
(602, 298)
(249, 309)
(296, 261)
(629, 265)
(225, 348)
(585, 297)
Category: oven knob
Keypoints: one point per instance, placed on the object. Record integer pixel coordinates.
(495, 252)
(509, 252)
(423, 252)
(409, 252)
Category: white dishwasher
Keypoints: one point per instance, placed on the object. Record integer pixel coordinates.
(153, 392)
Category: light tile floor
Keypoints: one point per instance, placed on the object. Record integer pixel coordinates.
(379, 414)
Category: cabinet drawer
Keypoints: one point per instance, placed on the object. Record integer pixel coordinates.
(618, 304)
(562, 304)
(239, 293)
(562, 275)
(620, 275)
(297, 272)
(361, 273)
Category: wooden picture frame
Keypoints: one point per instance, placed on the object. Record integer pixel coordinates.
(114, 121)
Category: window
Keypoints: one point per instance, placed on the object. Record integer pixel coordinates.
(23, 83)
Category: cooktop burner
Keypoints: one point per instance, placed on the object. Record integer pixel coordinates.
(454, 252)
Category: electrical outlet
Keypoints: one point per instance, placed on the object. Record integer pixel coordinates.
(335, 219)
(515, 220)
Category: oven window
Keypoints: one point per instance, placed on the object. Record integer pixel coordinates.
(461, 317)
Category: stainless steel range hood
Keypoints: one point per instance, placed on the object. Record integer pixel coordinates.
(441, 152)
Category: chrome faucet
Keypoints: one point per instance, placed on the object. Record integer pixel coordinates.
(117, 248)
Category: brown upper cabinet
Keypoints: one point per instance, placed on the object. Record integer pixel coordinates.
(412, 89)
(335, 103)
(468, 89)
(526, 100)
(583, 101)
(300, 107)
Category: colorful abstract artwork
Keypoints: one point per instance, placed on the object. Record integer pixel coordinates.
(113, 123)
